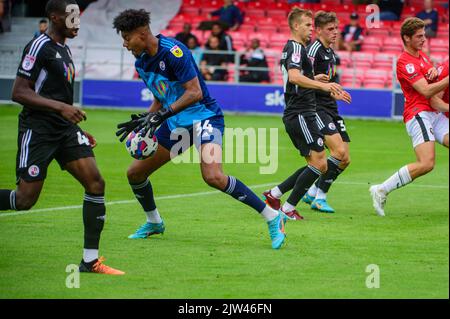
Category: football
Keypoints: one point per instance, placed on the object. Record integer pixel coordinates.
(141, 146)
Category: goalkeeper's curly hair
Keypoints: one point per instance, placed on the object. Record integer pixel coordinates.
(131, 19)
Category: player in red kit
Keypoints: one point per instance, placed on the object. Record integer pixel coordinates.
(440, 100)
(424, 124)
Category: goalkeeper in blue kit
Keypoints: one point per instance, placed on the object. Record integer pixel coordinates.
(181, 103)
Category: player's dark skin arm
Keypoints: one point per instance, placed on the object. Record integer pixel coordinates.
(428, 90)
(23, 93)
(192, 95)
(155, 106)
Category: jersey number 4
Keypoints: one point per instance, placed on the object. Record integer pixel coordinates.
(82, 139)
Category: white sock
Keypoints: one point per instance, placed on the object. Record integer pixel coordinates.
(90, 255)
(287, 207)
(399, 179)
(312, 191)
(320, 194)
(153, 216)
(275, 192)
(269, 214)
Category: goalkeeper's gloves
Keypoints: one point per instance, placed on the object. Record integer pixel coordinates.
(147, 121)
(156, 119)
(136, 123)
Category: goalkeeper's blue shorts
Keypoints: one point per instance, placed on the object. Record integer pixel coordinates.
(203, 132)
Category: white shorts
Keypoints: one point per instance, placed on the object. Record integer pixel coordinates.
(427, 127)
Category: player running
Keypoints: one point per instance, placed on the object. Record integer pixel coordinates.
(48, 129)
(331, 124)
(300, 117)
(424, 124)
(181, 100)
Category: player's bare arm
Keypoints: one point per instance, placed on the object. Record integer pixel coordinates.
(192, 95)
(322, 78)
(438, 104)
(24, 93)
(155, 106)
(428, 90)
(295, 77)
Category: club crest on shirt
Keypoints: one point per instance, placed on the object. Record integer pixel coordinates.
(28, 62)
(410, 68)
(162, 65)
(176, 51)
(296, 57)
(33, 171)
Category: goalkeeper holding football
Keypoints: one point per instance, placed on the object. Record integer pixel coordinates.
(181, 100)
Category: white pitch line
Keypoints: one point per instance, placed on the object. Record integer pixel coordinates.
(119, 202)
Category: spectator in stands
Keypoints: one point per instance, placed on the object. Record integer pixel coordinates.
(391, 10)
(229, 14)
(196, 50)
(351, 36)
(43, 25)
(431, 18)
(225, 40)
(210, 60)
(254, 57)
(184, 35)
(5, 15)
(2, 10)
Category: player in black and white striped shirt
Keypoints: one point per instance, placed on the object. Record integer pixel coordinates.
(48, 129)
(331, 124)
(300, 117)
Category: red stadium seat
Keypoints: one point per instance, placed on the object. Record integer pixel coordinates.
(265, 28)
(349, 73)
(247, 28)
(383, 61)
(362, 59)
(372, 44)
(372, 74)
(392, 44)
(277, 14)
(191, 11)
(254, 13)
(439, 43)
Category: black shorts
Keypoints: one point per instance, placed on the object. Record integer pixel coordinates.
(37, 150)
(330, 123)
(304, 133)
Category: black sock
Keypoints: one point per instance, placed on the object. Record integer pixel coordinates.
(94, 214)
(289, 183)
(7, 199)
(303, 183)
(325, 181)
(144, 194)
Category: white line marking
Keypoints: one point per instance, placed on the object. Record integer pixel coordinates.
(120, 202)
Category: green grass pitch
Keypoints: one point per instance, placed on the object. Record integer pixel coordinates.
(216, 247)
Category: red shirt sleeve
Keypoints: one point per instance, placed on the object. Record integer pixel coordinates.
(409, 71)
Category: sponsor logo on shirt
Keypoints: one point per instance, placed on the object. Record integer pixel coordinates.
(176, 51)
(296, 57)
(410, 68)
(28, 62)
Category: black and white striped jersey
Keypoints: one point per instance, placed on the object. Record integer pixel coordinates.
(49, 65)
(297, 99)
(324, 61)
